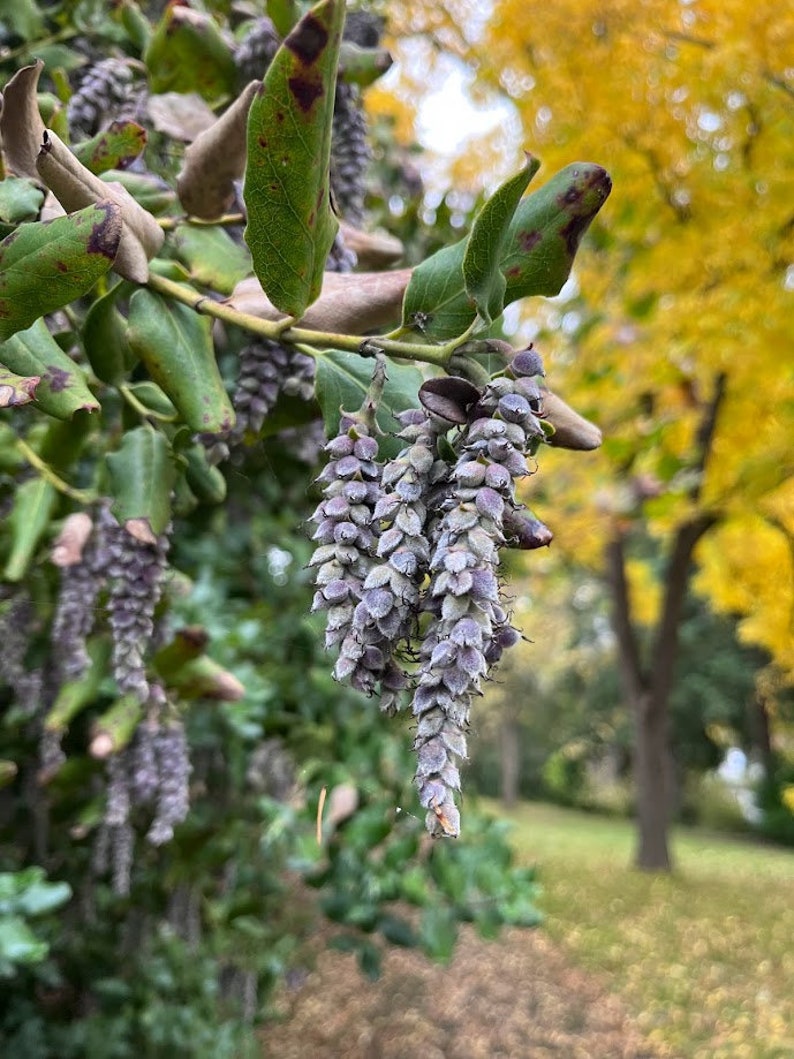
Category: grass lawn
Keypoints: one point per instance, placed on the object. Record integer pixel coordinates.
(704, 958)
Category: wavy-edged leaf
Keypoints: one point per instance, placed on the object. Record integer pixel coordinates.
(290, 223)
(34, 504)
(213, 257)
(175, 345)
(548, 227)
(20, 200)
(120, 143)
(142, 476)
(482, 275)
(46, 265)
(188, 53)
(543, 238)
(105, 336)
(343, 380)
(63, 389)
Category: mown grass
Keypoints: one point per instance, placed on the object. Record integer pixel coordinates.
(704, 957)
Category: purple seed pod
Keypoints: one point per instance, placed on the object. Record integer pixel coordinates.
(469, 627)
(173, 782)
(144, 776)
(340, 257)
(346, 543)
(135, 571)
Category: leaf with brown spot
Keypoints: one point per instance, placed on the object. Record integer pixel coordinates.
(16, 389)
(290, 223)
(113, 148)
(188, 53)
(62, 389)
(45, 265)
(75, 186)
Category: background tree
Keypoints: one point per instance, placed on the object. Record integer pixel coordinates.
(679, 347)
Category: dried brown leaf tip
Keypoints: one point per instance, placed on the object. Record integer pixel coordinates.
(69, 545)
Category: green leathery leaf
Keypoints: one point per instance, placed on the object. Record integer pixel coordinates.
(343, 380)
(438, 932)
(187, 53)
(175, 345)
(482, 275)
(20, 200)
(47, 264)
(290, 222)
(213, 257)
(34, 504)
(142, 475)
(548, 227)
(105, 336)
(542, 241)
(120, 143)
(63, 389)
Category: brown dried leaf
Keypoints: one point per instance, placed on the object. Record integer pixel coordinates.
(350, 303)
(374, 250)
(68, 547)
(215, 160)
(179, 115)
(75, 187)
(140, 529)
(571, 431)
(21, 127)
(342, 803)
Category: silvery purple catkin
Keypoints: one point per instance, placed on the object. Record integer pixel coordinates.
(388, 609)
(469, 628)
(346, 542)
(135, 572)
(266, 370)
(173, 788)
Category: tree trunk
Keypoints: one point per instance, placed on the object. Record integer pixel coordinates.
(651, 778)
(510, 759)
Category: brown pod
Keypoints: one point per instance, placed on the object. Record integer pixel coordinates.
(449, 398)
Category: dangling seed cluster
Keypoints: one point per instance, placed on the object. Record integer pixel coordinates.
(410, 550)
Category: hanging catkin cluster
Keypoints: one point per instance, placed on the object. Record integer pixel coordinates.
(410, 550)
(107, 91)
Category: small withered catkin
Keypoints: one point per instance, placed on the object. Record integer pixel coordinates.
(107, 92)
(255, 51)
(135, 571)
(350, 153)
(266, 370)
(173, 781)
(469, 627)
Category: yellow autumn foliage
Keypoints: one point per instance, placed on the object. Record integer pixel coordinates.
(690, 275)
